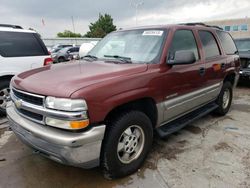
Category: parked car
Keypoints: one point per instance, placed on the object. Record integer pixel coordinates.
(104, 109)
(86, 47)
(20, 50)
(244, 52)
(60, 46)
(65, 54)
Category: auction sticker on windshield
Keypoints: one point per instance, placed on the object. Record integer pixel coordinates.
(152, 33)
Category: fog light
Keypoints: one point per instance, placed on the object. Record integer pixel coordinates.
(70, 125)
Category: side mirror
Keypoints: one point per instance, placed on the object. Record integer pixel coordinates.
(182, 57)
(68, 51)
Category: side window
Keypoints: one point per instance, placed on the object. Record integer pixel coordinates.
(183, 40)
(18, 44)
(227, 42)
(209, 44)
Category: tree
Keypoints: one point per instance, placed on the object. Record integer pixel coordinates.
(68, 34)
(101, 27)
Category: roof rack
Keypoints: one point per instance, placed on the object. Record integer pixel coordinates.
(12, 26)
(202, 24)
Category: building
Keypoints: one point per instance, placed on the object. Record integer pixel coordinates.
(238, 28)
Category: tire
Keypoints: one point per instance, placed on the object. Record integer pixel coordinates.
(224, 104)
(114, 163)
(4, 94)
(61, 59)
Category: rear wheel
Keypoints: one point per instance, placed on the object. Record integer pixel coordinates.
(61, 59)
(126, 144)
(4, 95)
(225, 99)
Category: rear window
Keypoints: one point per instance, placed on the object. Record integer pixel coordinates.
(227, 42)
(17, 44)
(209, 44)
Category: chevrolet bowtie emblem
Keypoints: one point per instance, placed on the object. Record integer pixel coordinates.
(18, 103)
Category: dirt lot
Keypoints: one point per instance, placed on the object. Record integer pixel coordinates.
(211, 152)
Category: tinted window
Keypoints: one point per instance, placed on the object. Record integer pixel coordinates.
(235, 28)
(227, 42)
(16, 44)
(244, 27)
(209, 44)
(76, 49)
(183, 40)
(227, 28)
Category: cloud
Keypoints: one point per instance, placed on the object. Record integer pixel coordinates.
(57, 14)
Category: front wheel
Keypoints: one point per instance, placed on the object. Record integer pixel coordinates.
(225, 99)
(126, 144)
(4, 95)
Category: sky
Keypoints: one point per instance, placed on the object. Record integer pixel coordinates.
(57, 14)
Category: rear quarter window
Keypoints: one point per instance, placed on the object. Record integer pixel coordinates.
(17, 44)
(227, 43)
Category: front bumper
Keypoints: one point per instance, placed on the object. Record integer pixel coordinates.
(75, 149)
(245, 73)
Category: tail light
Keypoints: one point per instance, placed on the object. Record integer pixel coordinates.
(48, 61)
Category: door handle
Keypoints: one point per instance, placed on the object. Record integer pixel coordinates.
(202, 71)
(223, 65)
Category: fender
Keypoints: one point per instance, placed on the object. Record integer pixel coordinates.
(98, 111)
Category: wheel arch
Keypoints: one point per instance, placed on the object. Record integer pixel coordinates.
(230, 77)
(146, 105)
(6, 77)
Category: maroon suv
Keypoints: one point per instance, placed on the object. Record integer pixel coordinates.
(104, 109)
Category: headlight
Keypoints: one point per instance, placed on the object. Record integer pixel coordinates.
(71, 105)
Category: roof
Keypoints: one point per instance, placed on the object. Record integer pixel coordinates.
(196, 25)
(14, 28)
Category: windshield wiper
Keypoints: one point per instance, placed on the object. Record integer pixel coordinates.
(90, 57)
(121, 58)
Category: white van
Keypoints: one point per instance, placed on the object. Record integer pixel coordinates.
(86, 47)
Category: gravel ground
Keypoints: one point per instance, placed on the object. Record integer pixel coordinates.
(211, 152)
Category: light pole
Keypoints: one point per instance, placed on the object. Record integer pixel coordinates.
(73, 24)
(136, 4)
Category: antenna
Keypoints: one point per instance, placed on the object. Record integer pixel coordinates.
(136, 4)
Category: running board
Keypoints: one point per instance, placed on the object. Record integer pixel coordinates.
(178, 124)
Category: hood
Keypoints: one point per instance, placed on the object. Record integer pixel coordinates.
(61, 80)
(244, 54)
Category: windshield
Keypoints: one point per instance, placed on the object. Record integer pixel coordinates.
(243, 45)
(64, 50)
(138, 46)
(55, 50)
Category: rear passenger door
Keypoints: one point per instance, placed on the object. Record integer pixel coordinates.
(215, 62)
(183, 82)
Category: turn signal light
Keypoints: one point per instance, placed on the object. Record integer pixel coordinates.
(216, 67)
(79, 124)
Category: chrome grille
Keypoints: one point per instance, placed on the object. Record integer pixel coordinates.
(28, 97)
(22, 97)
(31, 115)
